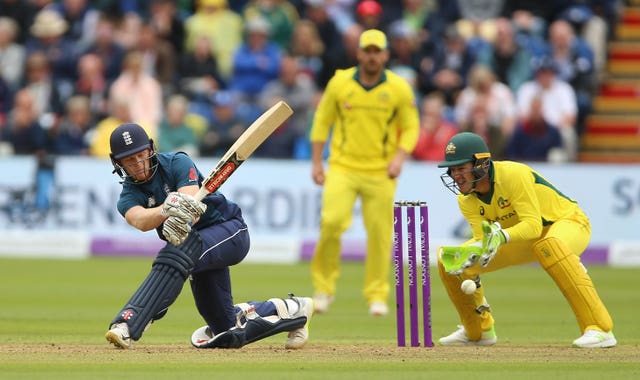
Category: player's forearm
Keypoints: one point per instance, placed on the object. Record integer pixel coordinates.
(145, 219)
(317, 148)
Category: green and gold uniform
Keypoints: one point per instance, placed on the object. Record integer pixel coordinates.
(543, 225)
(367, 127)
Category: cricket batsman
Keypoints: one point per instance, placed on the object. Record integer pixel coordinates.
(371, 116)
(203, 239)
(517, 217)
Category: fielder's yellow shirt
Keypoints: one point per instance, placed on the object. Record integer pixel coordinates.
(521, 200)
(368, 124)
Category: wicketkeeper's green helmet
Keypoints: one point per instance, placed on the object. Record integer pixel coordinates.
(464, 147)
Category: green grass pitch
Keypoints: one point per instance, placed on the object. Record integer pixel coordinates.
(54, 313)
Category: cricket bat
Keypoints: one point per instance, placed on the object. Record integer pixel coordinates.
(244, 146)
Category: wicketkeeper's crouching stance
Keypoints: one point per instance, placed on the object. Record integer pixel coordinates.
(203, 240)
(517, 217)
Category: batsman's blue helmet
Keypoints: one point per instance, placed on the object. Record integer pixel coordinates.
(128, 139)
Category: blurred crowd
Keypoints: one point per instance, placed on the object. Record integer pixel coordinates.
(195, 74)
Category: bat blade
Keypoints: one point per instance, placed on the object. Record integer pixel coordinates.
(244, 146)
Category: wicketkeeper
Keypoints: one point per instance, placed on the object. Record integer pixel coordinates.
(203, 240)
(517, 217)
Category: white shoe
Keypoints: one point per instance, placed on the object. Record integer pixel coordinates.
(378, 309)
(595, 339)
(201, 336)
(460, 338)
(299, 337)
(119, 335)
(321, 302)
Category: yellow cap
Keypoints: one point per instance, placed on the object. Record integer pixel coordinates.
(213, 3)
(373, 37)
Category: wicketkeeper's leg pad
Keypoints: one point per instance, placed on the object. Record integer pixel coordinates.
(475, 314)
(254, 327)
(571, 277)
(162, 286)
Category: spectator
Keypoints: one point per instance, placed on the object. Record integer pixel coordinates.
(225, 126)
(280, 15)
(48, 38)
(174, 134)
(23, 13)
(369, 14)
(255, 63)
(198, 71)
(418, 13)
(308, 49)
(449, 68)
(346, 57)
(48, 100)
(23, 129)
(158, 57)
(28, 137)
(510, 62)
(106, 47)
(559, 105)
(72, 137)
(482, 124)
(499, 103)
(317, 12)
(298, 90)
(530, 24)
(81, 18)
(168, 23)
(224, 26)
(93, 84)
(573, 59)
(12, 54)
(589, 23)
(127, 31)
(119, 113)
(477, 20)
(534, 138)
(435, 130)
(404, 48)
(144, 93)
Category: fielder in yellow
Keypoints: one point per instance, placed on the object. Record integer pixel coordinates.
(371, 115)
(517, 217)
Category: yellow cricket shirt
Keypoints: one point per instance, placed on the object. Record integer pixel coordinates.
(521, 200)
(367, 124)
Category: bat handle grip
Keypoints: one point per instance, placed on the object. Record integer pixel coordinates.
(201, 193)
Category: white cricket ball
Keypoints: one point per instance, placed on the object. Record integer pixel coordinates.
(468, 286)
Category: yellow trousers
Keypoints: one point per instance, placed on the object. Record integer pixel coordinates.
(558, 251)
(376, 192)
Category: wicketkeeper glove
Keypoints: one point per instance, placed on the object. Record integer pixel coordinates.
(175, 230)
(456, 259)
(493, 237)
(182, 206)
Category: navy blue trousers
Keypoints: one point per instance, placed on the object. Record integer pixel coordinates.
(224, 245)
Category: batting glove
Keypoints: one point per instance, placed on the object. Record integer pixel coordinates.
(493, 237)
(182, 206)
(175, 230)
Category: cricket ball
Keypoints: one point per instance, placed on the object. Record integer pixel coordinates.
(468, 286)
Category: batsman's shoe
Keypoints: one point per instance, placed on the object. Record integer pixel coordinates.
(378, 309)
(321, 302)
(460, 338)
(298, 338)
(201, 336)
(119, 335)
(595, 339)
